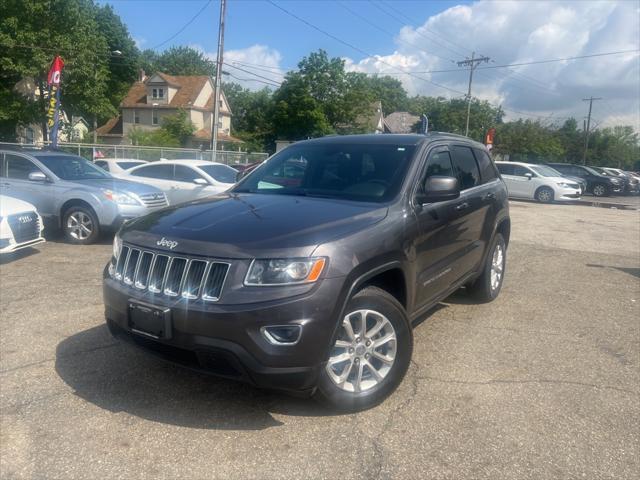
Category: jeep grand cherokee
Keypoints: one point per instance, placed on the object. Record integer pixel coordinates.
(309, 273)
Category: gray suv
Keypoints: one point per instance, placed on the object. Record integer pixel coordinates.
(83, 199)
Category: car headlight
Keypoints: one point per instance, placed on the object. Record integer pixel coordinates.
(121, 198)
(563, 185)
(117, 246)
(615, 181)
(284, 271)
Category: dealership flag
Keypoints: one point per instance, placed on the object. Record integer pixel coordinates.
(53, 113)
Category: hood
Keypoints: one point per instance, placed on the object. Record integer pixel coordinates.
(10, 205)
(247, 225)
(120, 185)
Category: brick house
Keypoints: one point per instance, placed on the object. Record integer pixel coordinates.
(154, 97)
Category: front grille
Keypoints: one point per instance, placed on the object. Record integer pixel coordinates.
(172, 276)
(154, 200)
(24, 226)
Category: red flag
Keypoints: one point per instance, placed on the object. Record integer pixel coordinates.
(55, 72)
(490, 136)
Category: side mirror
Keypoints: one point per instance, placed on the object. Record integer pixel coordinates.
(439, 189)
(529, 175)
(200, 181)
(38, 177)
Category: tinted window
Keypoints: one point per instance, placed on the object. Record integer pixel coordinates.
(520, 171)
(163, 172)
(505, 168)
(466, 167)
(102, 164)
(366, 172)
(71, 167)
(185, 174)
(221, 173)
(439, 164)
(127, 165)
(562, 168)
(487, 168)
(19, 167)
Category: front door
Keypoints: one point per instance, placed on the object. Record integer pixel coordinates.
(16, 183)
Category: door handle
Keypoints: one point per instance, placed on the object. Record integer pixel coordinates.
(462, 206)
(490, 196)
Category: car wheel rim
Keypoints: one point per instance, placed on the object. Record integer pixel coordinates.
(544, 195)
(364, 351)
(598, 190)
(497, 267)
(79, 225)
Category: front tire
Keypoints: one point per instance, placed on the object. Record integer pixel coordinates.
(370, 354)
(544, 195)
(487, 286)
(600, 190)
(80, 225)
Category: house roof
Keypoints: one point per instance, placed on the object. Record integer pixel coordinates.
(188, 88)
(204, 134)
(400, 122)
(113, 128)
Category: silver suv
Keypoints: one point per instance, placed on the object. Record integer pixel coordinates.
(82, 198)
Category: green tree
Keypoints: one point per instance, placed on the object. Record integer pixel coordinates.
(528, 140)
(251, 120)
(179, 126)
(177, 61)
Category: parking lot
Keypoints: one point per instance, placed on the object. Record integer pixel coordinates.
(542, 383)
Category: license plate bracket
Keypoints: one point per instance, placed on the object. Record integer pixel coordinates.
(149, 320)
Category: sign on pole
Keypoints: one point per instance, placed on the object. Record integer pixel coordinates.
(53, 113)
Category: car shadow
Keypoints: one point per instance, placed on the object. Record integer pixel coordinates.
(18, 255)
(55, 235)
(120, 378)
(630, 270)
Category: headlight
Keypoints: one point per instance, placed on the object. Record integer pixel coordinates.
(120, 198)
(615, 181)
(563, 185)
(117, 246)
(284, 271)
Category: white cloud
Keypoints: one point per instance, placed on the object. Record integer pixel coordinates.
(140, 41)
(521, 31)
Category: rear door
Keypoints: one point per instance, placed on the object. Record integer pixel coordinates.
(159, 175)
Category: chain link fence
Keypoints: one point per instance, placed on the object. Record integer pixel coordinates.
(96, 151)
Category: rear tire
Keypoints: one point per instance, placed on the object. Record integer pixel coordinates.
(487, 286)
(544, 195)
(80, 225)
(368, 359)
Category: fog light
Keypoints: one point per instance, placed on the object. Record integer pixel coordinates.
(282, 334)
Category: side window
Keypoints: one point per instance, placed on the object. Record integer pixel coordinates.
(3, 166)
(505, 168)
(162, 172)
(18, 167)
(102, 164)
(578, 172)
(439, 164)
(520, 171)
(487, 167)
(183, 173)
(466, 167)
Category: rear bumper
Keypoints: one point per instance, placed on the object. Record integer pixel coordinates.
(226, 340)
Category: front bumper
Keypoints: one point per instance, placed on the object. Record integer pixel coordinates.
(226, 340)
(567, 194)
(8, 241)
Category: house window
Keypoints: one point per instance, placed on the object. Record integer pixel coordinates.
(155, 93)
(136, 117)
(161, 93)
(154, 117)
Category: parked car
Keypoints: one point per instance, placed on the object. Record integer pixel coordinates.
(20, 225)
(632, 182)
(80, 197)
(597, 184)
(117, 166)
(185, 180)
(312, 283)
(537, 182)
(247, 169)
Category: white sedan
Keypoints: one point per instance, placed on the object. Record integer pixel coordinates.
(117, 166)
(537, 182)
(185, 180)
(20, 225)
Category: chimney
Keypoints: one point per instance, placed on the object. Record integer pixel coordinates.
(141, 75)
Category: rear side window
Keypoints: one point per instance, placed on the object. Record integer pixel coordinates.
(505, 169)
(466, 167)
(19, 167)
(162, 172)
(487, 168)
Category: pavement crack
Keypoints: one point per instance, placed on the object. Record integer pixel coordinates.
(538, 381)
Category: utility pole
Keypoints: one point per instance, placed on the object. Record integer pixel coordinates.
(472, 63)
(586, 132)
(217, 85)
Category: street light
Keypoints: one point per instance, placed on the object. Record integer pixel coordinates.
(113, 53)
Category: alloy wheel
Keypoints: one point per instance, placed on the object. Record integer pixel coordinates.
(599, 190)
(544, 195)
(79, 225)
(497, 267)
(364, 351)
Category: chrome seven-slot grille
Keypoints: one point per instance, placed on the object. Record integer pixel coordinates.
(170, 275)
(154, 200)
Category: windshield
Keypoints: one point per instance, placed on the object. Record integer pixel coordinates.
(220, 173)
(546, 171)
(362, 172)
(128, 165)
(591, 171)
(70, 167)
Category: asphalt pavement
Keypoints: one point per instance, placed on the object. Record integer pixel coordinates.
(542, 383)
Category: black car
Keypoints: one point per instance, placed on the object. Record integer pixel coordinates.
(597, 184)
(309, 274)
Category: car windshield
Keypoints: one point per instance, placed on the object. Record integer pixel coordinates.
(128, 165)
(71, 167)
(220, 173)
(365, 172)
(546, 171)
(591, 171)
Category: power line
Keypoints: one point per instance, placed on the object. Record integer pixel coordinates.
(357, 49)
(184, 26)
(274, 82)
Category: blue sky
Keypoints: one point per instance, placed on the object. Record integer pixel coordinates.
(426, 38)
